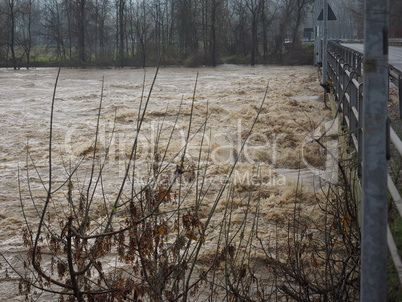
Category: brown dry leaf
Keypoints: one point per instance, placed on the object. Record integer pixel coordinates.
(191, 235)
(160, 230)
(164, 193)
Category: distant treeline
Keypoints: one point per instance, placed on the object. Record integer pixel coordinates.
(147, 32)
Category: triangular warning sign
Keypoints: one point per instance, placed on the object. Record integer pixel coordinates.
(331, 15)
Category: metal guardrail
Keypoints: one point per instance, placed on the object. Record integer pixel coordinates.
(344, 71)
(395, 42)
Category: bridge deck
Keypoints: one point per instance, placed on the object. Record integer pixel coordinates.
(394, 54)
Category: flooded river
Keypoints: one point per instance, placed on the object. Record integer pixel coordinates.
(230, 96)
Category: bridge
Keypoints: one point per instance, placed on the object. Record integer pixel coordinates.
(345, 68)
(358, 86)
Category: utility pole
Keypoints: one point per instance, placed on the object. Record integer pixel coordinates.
(324, 44)
(374, 199)
(316, 32)
(319, 32)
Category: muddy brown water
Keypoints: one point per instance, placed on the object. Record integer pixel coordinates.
(230, 94)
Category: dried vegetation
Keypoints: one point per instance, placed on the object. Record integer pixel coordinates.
(179, 234)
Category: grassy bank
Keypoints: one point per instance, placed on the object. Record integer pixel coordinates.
(41, 56)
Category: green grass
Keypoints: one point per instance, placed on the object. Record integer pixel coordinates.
(44, 59)
(40, 56)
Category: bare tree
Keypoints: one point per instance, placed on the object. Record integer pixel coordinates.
(178, 31)
(239, 26)
(81, 20)
(300, 8)
(27, 35)
(121, 30)
(216, 25)
(254, 7)
(153, 232)
(56, 32)
(11, 11)
(187, 12)
(142, 29)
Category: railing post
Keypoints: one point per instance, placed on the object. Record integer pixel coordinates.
(329, 64)
(358, 66)
(353, 103)
(345, 82)
(339, 73)
(333, 65)
(374, 179)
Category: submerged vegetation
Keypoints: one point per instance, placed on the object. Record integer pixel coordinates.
(173, 230)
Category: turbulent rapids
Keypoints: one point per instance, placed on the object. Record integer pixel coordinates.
(220, 105)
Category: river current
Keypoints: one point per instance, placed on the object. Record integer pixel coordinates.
(229, 95)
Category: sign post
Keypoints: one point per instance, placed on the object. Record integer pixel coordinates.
(325, 45)
(325, 15)
(317, 42)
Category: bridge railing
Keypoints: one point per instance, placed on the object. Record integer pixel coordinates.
(344, 72)
(345, 67)
(395, 42)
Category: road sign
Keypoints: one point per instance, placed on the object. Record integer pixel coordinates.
(331, 15)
